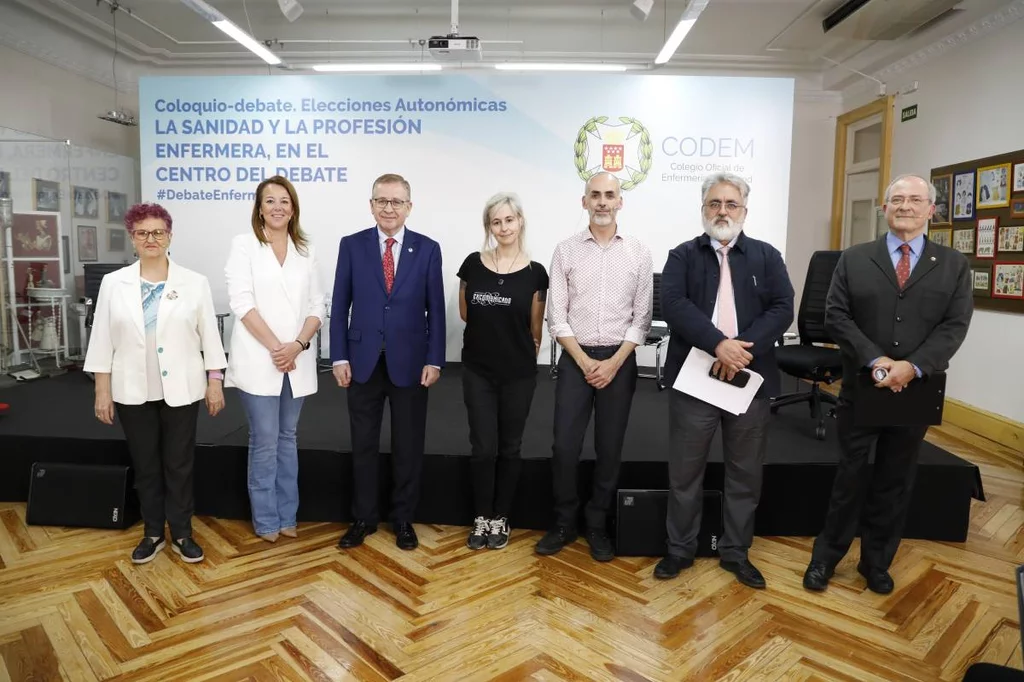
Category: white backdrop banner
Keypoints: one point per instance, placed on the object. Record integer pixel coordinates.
(206, 142)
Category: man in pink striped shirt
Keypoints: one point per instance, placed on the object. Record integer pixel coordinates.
(599, 311)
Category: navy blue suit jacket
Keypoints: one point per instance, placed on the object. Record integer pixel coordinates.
(409, 322)
(764, 303)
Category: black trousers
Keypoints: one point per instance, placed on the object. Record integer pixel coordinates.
(162, 443)
(575, 399)
(408, 430)
(875, 499)
(497, 413)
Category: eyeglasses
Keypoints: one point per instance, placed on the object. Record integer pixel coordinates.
(144, 235)
(399, 204)
(715, 206)
(914, 201)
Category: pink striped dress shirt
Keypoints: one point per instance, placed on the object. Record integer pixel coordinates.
(600, 294)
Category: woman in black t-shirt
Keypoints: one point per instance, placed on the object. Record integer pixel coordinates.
(501, 300)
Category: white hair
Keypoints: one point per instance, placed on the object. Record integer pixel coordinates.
(910, 176)
(727, 178)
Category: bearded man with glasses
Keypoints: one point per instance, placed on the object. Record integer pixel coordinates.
(387, 343)
(730, 296)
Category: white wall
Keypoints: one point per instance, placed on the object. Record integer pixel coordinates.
(46, 100)
(969, 109)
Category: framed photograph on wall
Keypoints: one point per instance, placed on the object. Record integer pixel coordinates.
(1017, 208)
(35, 235)
(88, 246)
(117, 206)
(87, 202)
(47, 195)
(115, 238)
(963, 196)
(943, 213)
(994, 186)
(1011, 238)
(963, 240)
(1008, 280)
(1018, 177)
(942, 237)
(981, 280)
(985, 244)
(5, 185)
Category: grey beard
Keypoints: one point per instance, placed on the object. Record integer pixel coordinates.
(722, 233)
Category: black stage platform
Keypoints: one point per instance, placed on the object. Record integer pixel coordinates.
(51, 420)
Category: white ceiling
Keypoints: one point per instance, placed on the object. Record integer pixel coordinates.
(777, 36)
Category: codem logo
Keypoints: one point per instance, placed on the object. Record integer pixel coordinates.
(115, 514)
(623, 149)
(714, 542)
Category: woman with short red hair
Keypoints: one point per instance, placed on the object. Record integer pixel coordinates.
(155, 351)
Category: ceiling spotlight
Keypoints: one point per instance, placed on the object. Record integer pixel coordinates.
(291, 9)
(641, 8)
(119, 116)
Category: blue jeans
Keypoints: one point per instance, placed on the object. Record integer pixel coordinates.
(273, 458)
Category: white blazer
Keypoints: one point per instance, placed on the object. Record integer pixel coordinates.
(284, 295)
(188, 343)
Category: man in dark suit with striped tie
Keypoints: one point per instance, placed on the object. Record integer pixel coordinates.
(902, 304)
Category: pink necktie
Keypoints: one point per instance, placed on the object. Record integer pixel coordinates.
(389, 264)
(903, 266)
(726, 300)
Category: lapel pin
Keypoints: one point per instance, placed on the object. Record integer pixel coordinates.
(173, 295)
(933, 258)
(410, 249)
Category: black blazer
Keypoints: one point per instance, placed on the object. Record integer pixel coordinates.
(764, 303)
(869, 317)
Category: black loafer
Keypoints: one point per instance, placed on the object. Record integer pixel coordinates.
(879, 581)
(555, 539)
(405, 536)
(817, 575)
(745, 572)
(670, 566)
(600, 545)
(356, 533)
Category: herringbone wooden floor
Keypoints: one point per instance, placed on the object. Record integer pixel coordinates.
(73, 607)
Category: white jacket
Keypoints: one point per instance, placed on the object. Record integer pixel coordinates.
(188, 343)
(284, 295)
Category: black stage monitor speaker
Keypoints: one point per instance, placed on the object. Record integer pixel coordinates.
(640, 528)
(84, 495)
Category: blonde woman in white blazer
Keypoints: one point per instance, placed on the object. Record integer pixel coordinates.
(156, 352)
(275, 293)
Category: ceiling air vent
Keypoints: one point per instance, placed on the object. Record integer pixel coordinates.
(883, 19)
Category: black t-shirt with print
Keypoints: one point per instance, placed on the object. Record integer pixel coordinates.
(497, 342)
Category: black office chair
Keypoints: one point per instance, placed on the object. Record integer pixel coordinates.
(94, 273)
(807, 361)
(659, 334)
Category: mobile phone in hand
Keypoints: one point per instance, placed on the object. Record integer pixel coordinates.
(739, 381)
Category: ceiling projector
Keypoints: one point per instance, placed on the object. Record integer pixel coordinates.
(454, 48)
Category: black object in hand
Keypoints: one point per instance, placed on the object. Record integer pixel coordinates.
(739, 381)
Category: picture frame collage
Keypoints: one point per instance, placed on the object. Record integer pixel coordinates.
(979, 211)
(87, 211)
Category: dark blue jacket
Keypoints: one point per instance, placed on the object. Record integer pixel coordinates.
(410, 321)
(764, 303)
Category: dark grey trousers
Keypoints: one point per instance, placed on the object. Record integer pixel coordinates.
(692, 425)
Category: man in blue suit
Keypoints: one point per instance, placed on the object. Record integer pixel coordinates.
(391, 347)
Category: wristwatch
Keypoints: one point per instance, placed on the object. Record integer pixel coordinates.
(305, 346)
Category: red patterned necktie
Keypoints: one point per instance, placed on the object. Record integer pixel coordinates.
(389, 264)
(903, 267)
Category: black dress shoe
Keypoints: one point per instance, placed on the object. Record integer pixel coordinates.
(746, 572)
(670, 566)
(555, 539)
(356, 533)
(817, 575)
(405, 536)
(600, 545)
(879, 581)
